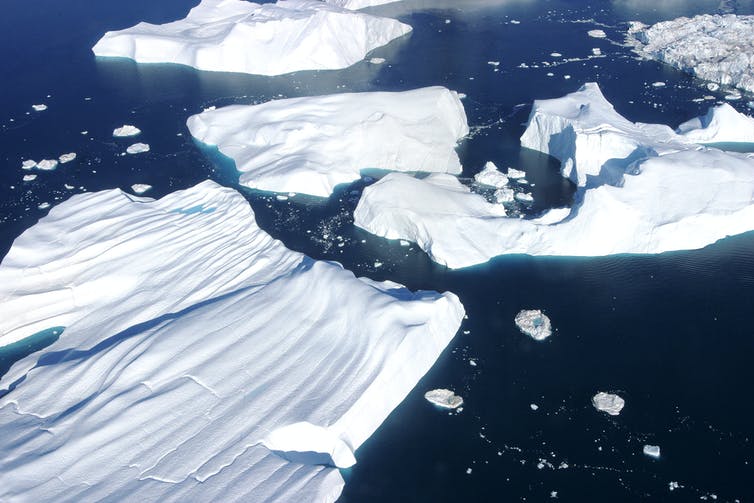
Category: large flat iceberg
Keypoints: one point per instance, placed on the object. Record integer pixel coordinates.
(719, 48)
(264, 39)
(643, 189)
(194, 364)
(311, 144)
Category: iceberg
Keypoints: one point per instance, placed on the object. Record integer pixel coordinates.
(64, 158)
(718, 48)
(140, 188)
(47, 164)
(643, 189)
(596, 33)
(444, 398)
(137, 148)
(28, 164)
(720, 124)
(29, 178)
(653, 451)
(491, 176)
(609, 403)
(311, 144)
(126, 130)
(358, 4)
(192, 362)
(263, 39)
(534, 323)
(39, 108)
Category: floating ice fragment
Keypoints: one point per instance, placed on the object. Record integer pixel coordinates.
(534, 323)
(733, 96)
(504, 195)
(43, 206)
(68, 187)
(493, 63)
(491, 176)
(47, 164)
(515, 21)
(596, 51)
(673, 485)
(28, 178)
(524, 197)
(556, 54)
(444, 398)
(596, 33)
(64, 158)
(39, 108)
(515, 173)
(140, 188)
(653, 451)
(608, 402)
(377, 61)
(125, 130)
(533, 406)
(28, 164)
(137, 148)
(468, 471)
(713, 87)
(658, 84)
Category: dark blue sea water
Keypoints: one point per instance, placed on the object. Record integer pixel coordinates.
(670, 333)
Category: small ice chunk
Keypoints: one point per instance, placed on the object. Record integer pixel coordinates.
(403, 242)
(733, 96)
(515, 21)
(556, 54)
(712, 86)
(505, 195)
(493, 63)
(534, 406)
(673, 485)
(653, 451)
(553, 494)
(47, 164)
(137, 148)
(281, 197)
(126, 130)
(596, 51)
(43, 206)
(491, 176)
(28, 164)
(68, 187)
(444, 398)
(468, 471)
(67, 157)
(608, 402)
(472, 362)
(39, 108)
(377, 61)
(209, 109)
(596, 33)
(28, 178)
(524, 197)
(567, 77)
(515, 173)
(534, 323)
(447, 21)
(140, 188)
(658, 84)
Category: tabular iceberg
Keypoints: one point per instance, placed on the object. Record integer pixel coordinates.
(264, 39)
(194, 363)
(643, 189)
(311, 144)
(719, 48)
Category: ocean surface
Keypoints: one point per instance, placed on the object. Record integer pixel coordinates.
(672, 334)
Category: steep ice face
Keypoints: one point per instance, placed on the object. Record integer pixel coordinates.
(719, 48)
(607, 402)
(264, 39)
(721, 124)
(311, 144)
(655, 191)
(193, 357)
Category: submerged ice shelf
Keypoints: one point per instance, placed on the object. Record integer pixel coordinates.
(311, 144)
(194, 363)
(643, 188)
(719, 48)
(263, 39)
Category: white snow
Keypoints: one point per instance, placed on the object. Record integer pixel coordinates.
(653, 451)
(140, 188)
(28, 164)
(311, 144)
(505, 195)
(444, 398)
(607, 402)
(721, 124)
(642, 189)
(265, 39)
(534, 323)
(126, 130)
(64, 158)
(596, 33)
(358, 4)
(39, 108)
(491, 176)
(137, 148)
(47, 164)
(191, 347)
(719, 48)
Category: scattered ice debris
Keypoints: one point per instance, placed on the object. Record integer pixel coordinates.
(516, 174)
(137, 148)
(653, 451)
(377, 61)
(64, 158)
(43, 206)
(444, 398)
(39, 108)
(47, 164)
(140, 188)
(524, 197)
(29, 178)
(533, 406)
(596, 51)
(84, 132)
(713, 87)
(717, 48)
(658, 84)
(28, 164)
(596, 33)
(404, 243)
(608, 402)
(515, 21)
(673, 485)
(262, 39)
(534, 323)
(553, 494)
(491, 176)
(504, 195)
(733, 96)
(125, 130)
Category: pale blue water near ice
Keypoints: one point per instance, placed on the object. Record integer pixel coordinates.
(671, 333)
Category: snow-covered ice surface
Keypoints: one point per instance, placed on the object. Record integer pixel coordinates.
(194, 363)
(534, 323)
(264, 39)
(643, 189)
(718, 48)
(491, 176)
(126, 130)
(444, 398)
(311, 144)
(608, 402)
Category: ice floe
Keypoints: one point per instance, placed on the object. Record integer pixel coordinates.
(642, 189)
(311, 144)
(444, 398)
(140, 188)
(596, 33)
(29, 178)
(491, 176)
(47, 164)
(28, 164)
(608, 402)
(137, 148)
(64, 158)
(194, 363)
(719, 48)
(264, 39)
(125, 130)
(39, 108)
(534, 323)
(653, 451)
